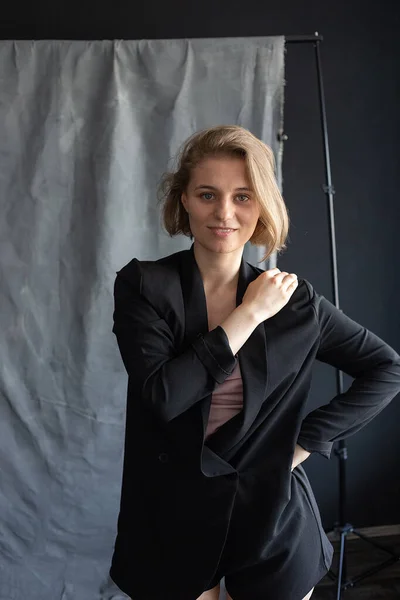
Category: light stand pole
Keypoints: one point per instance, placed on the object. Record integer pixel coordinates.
(342, 528)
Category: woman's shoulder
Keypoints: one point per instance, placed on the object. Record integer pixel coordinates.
(137, 264)
(161, 273)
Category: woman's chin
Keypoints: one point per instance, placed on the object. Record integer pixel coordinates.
(222, 246)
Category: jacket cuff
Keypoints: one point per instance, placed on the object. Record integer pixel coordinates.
(323, 448)
(215, 353)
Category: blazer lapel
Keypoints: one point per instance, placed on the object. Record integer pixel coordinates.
(252, 357)
(196, 319)
(253, 365)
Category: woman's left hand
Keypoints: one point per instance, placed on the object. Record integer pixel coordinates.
(299, 456)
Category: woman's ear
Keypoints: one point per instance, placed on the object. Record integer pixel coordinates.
(184, 201)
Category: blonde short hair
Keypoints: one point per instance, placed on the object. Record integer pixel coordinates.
(273, 225)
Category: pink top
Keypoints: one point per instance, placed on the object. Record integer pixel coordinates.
(227, 401)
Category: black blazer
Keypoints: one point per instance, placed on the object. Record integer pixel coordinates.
(178, 491)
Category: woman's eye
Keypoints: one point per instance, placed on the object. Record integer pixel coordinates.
(209, 195)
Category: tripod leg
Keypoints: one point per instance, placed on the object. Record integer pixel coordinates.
(342, 566)
(376, 544)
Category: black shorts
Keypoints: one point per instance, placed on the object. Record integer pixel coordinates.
(290, 569)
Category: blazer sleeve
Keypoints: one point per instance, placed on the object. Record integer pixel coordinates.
(168, 383)
(373, 364)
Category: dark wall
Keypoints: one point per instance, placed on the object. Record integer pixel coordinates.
(360, 58)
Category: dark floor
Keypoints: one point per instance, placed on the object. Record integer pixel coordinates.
(362, 556)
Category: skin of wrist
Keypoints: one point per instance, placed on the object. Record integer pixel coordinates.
(249, 314)
(300, 455)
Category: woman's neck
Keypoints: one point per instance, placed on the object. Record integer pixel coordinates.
(219, 271)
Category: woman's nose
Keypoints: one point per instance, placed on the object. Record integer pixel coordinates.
(224, 210)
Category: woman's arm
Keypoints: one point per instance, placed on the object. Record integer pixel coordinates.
(373, 364)
(239, 326)
(170, 383)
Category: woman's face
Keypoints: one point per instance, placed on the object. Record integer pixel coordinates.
(222, 207)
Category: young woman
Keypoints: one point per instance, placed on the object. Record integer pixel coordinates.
(219, 355)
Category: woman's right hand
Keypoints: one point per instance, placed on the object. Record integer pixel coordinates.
(269, 293)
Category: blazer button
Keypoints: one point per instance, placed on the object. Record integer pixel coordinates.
(163, 457)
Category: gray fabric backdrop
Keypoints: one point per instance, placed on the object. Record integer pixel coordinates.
(86, 129)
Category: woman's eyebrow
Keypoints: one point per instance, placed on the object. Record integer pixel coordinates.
(211, 187)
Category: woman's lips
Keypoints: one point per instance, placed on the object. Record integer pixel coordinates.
(222, 231)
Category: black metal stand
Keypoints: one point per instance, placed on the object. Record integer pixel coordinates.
(342, 528)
